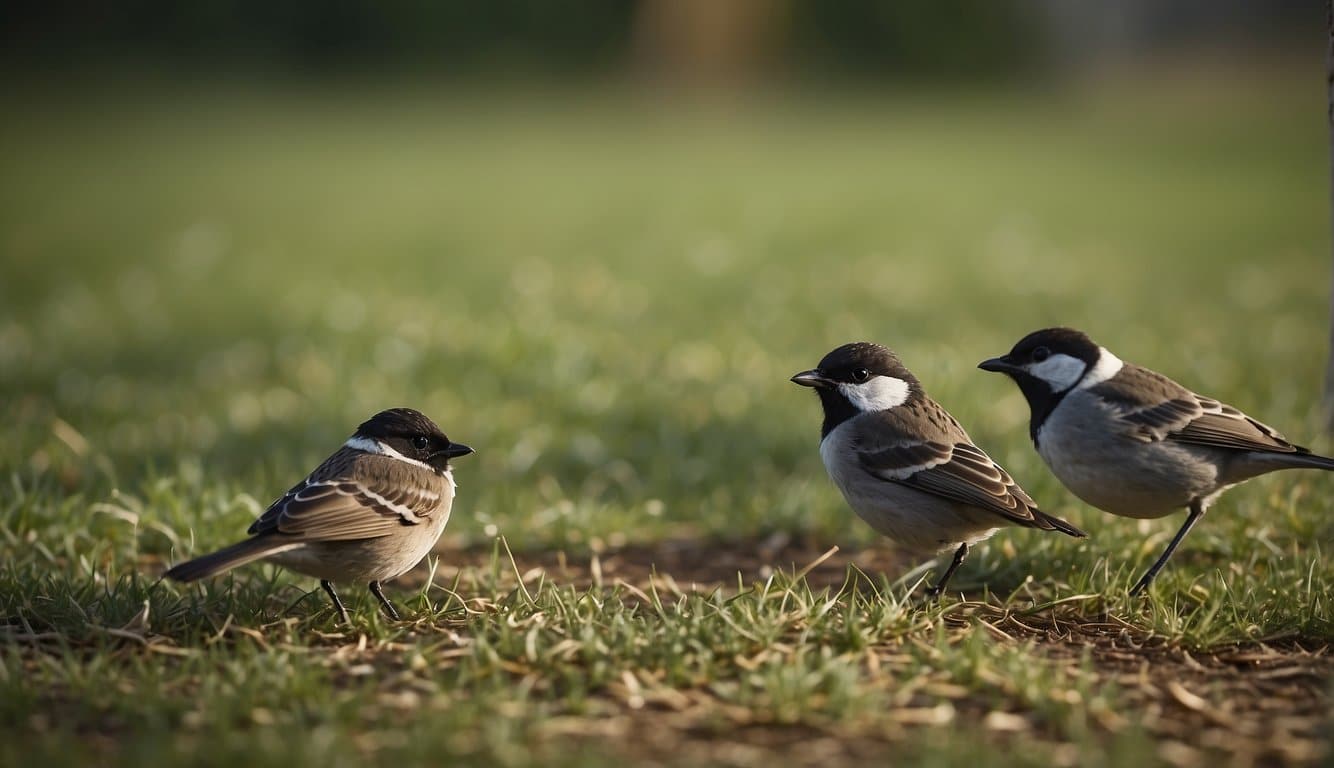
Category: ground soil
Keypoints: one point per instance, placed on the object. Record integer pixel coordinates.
(1263, 703)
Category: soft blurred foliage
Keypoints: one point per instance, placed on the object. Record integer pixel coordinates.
(696, 41)
(342, 36)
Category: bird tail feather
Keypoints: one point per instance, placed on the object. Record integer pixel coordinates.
(1053, 523)
(226, 559)
(1301, 460)
(1311, 462)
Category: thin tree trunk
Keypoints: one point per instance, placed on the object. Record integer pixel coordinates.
(1329, 87)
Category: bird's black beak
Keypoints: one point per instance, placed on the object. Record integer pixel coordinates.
(998, 365)
(455, 450)
(811, 378)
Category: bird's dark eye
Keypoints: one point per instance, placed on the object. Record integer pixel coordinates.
(861, 374)
(1040, 354)
(421, 442)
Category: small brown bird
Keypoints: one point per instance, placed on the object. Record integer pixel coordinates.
(369, 513)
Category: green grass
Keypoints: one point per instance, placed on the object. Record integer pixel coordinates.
(203, 291)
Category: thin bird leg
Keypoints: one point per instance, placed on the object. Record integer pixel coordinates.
(959, 555)
(384, 601)
(1196, 512)
(328, 587)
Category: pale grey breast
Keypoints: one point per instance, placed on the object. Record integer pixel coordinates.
(921, 521)
(1107, 461)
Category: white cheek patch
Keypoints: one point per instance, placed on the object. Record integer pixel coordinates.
(382, 449)
(1061, 372)
(879, 393)
(1108, 366)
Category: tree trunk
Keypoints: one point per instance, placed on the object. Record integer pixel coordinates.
(1329, 87)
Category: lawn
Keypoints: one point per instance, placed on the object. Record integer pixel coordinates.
(204, 289)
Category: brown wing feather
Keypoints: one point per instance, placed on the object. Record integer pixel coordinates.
(902, 458)
(353, 495)
(947, 464)
(1155, 408)
(1240, 432)
(972, 478)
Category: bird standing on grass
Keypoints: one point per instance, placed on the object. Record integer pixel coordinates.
(368, 514)
(903, 463)
(1131, 441)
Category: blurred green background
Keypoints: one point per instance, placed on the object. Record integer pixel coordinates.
(594, 239)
